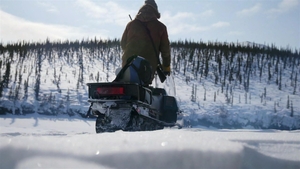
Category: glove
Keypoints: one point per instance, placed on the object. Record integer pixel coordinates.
(167, 70)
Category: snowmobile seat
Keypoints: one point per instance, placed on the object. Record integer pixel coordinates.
(137, 70)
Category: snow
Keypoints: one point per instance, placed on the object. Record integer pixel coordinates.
(223, 134)
(36, 141)
(63, 89)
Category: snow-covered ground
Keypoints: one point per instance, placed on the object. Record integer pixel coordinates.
(29, 139)
(36, 141)
(60, 84)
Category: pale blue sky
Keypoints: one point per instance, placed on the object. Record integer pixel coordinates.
(259, 21)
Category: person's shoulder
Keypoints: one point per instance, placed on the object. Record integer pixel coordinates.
(156, 21)
(161, 23)
(131, 23)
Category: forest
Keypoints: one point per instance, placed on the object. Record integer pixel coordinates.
(51, 76)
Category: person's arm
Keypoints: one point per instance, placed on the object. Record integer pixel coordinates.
(124, 39)
(165, 49)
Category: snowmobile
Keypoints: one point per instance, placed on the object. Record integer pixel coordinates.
(128, 104)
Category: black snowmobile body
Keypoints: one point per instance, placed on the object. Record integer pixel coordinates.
(131, 107)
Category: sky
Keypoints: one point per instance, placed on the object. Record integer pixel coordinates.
(259, 21)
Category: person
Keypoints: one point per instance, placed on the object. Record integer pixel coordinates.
(137, 42)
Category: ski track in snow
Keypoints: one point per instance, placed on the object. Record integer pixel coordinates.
(63, 142)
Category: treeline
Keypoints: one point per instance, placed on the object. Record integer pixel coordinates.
(236, 66)
(22, 65)
(23, 71)
(235, 62)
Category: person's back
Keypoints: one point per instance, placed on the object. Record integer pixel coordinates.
(136, 40)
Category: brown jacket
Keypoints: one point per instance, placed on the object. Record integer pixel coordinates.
(136, 41)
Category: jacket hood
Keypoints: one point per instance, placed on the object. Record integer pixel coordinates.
(147, 13)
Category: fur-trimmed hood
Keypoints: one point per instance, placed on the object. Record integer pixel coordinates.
(147, 13)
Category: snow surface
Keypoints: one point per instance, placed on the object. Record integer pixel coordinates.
(36, 141)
